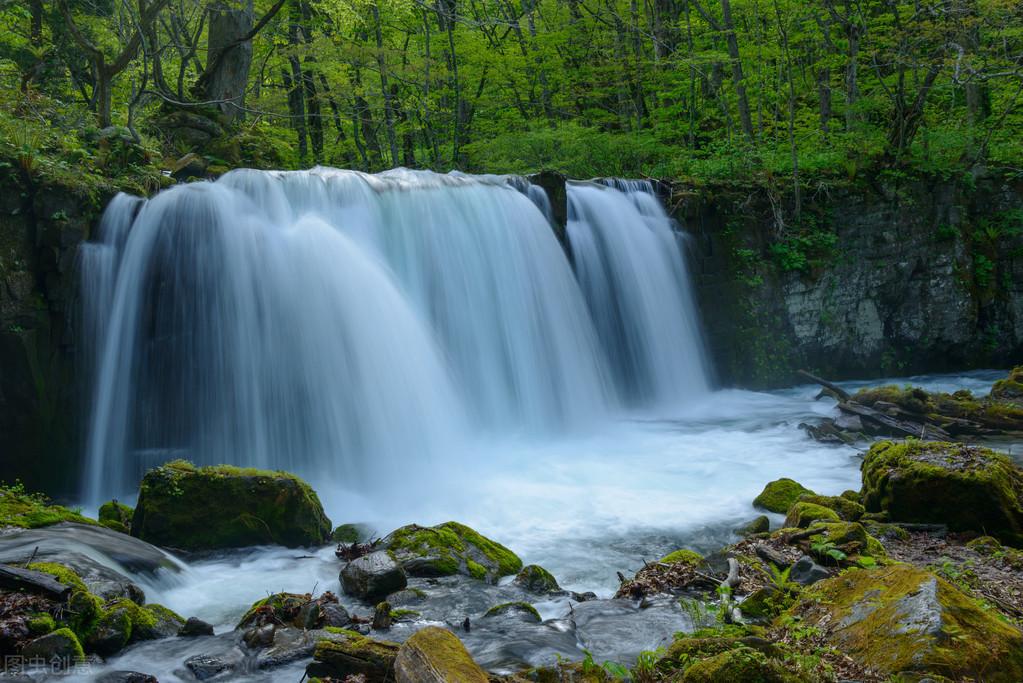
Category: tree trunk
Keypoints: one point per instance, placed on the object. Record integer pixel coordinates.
(230, 56)
(737, 75)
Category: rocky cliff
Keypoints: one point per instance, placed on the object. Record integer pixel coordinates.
(886, 276)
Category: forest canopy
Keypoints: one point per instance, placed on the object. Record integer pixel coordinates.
(665, 88)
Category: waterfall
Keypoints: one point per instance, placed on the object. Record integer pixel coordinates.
(360, 327)
(630, 267)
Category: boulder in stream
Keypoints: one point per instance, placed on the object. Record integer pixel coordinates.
(436, 655)
(199, 508)
(967, 488)
(779, 495)
(372, 577)
(353, 654)
(450, 548)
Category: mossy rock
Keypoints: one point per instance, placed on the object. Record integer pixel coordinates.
(436, 655)
(279, 608)
(965, 487)
(757, 525)
(1010, 388)
(32, 510)
(739, 664)
(524, 609)
(536, 579)
(683, 556)
(198, 508)
(116, 516)
(900, 620)
(62, 645)
(852, 537)
(353, 655)
(779, 495)
(350, 533)
(848, 510)
(450, 548)
(998, 411)
(41, 623)
(802, 515)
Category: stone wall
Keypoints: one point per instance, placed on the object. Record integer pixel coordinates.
(40, 228)
(921, 275)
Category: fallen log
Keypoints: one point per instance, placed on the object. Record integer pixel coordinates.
(842, 394)
(894, 426)
(18, 579)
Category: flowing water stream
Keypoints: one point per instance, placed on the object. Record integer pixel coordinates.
(421, 348)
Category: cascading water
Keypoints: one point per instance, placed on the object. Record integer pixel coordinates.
(627, 258)
(356, 327)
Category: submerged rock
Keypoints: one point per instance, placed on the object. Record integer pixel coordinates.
(450, 548)
(196, 508)
(903, 620)
(779, 495)
(372, 577)
(436, 655)
(522, 610)
(195, 627)
(964, 487)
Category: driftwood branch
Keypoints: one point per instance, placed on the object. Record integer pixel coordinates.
(841, 393)
(16, 578)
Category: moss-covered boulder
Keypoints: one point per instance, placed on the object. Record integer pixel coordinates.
(197, 508)
(523, 610)
(351, 533)
(903, 620)
(966, 487)
(19, 508)
(353, 655)
(739, 664)
(757, 525)
(436, 655)
(801, 515)
(779, 495)
(60, 647)
(450, 548)
(116, 516)
(1010, 388)
(999, 411)
(536, 579)
(849, 510)
(850, 537)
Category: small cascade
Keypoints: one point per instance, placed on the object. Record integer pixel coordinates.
(629, 262)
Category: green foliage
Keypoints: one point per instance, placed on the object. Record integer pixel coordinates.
(614, 88)
(20, 508)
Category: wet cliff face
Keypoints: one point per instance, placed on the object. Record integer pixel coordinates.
(890, 276)
(40, 228)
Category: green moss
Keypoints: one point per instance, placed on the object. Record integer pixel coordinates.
(347, 533)
(73, 642)
(1010, 388)
(1000, 411)
(66, 576)
(397, 614)
(849, 510)
(184, 506)
(740, 664)
(766, 602)
(451, 548)
(966, 487)
(115, 513)
(682, 556)
(439, 651)
(537, 579)
(41, 623)
(779, 495)
(523, 607)
(84, 611)
(902, 619)
(354, 654)
(115, 526)
(851, 537)
(279, 608)
(802, 515)
(476, 571)
(31, 510)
